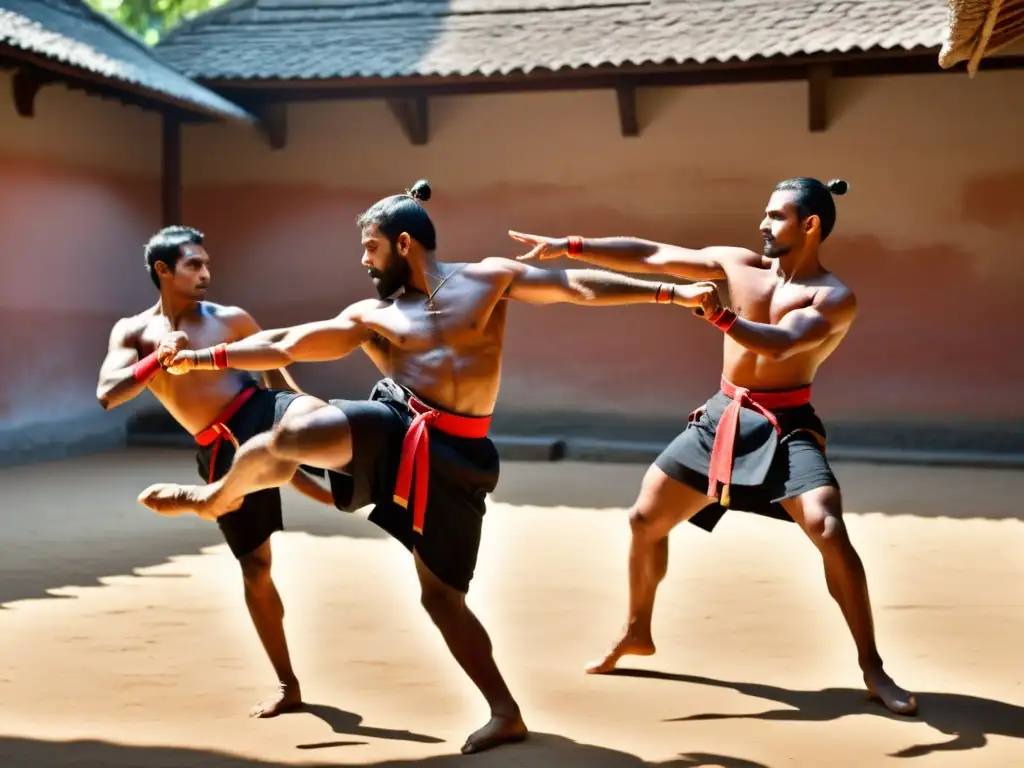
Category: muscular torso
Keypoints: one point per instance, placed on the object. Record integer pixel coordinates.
(759, 294)
(449, 354)
(195, 400)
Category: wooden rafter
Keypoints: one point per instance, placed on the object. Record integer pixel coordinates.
(412, 115)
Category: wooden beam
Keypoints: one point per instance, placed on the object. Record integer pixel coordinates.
(274, 123)
(818, 78)
(411, 114)
(25, 85)
(170, 177)
(628, 123)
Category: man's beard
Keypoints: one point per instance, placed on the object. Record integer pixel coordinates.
(773, 251)
(390, 279)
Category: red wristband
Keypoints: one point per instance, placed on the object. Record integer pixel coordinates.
(220, 356)
(723, 319)
(575, 245)
(146, 368)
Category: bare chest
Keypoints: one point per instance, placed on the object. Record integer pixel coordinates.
(416, 324)
(762, 297)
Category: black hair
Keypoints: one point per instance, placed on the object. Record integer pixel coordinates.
(403, 213)
(815, 199)
(165, 246)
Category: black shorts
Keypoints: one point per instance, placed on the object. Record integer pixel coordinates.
(463, 471)
(768, 467)
(249, 526)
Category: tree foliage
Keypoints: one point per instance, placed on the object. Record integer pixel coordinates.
(151, 19)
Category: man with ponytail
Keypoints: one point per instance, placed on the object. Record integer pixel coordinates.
(757, 445)
(418, 450)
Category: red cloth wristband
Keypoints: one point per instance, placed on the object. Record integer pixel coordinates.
(723, 319)
(220, 356)
(146, 368)
(575, 245)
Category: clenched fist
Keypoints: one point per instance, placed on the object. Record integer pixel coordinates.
(183, 362)
(170, 345)
(702, 297)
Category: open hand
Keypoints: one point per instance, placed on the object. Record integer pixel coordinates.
(170, 345)
(542, 247)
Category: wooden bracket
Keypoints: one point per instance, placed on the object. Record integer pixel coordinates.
(628, 122)
(25, 85)
(274, 123)
(411, 114)
(818, 78)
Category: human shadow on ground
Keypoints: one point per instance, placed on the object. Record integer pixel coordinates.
(73, 524)
(540, 751)
(350, 724)
(970, 720)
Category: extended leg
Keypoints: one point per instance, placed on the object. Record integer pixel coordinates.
(819, 513)
(310, 432)
(470, 645)
(662, 504)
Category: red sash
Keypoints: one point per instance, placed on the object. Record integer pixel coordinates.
(720, 466)
(215, 433)
(416, 452)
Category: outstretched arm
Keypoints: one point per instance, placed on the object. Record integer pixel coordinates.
(798, 331)
(244, 325)
(123, 376)
(594, 287)
(632, 254)
(268, 350)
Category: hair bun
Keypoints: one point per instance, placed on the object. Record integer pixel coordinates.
(420, 191)
(838, 187)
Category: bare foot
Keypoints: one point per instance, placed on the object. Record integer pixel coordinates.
(500, 730)
(884, 689)
(173, 499)
(287, 698)
(633, 643)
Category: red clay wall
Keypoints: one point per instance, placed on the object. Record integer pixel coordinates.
(929, 236)
(79, 195)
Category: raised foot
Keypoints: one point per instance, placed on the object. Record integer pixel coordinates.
(173, 499)
(883, 688)
(287, 698)
(632, 644)
(500, 730)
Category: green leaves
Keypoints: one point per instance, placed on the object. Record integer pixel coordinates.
(151, 19)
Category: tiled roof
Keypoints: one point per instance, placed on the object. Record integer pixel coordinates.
(268, 39)
(70, 33)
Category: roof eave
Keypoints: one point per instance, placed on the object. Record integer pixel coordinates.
(755, 69)
(146, 98)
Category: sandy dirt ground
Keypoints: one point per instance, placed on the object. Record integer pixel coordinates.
(124, 640)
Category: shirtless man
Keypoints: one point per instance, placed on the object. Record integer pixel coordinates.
(790, 315)
(220, 409)
(437, 333)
